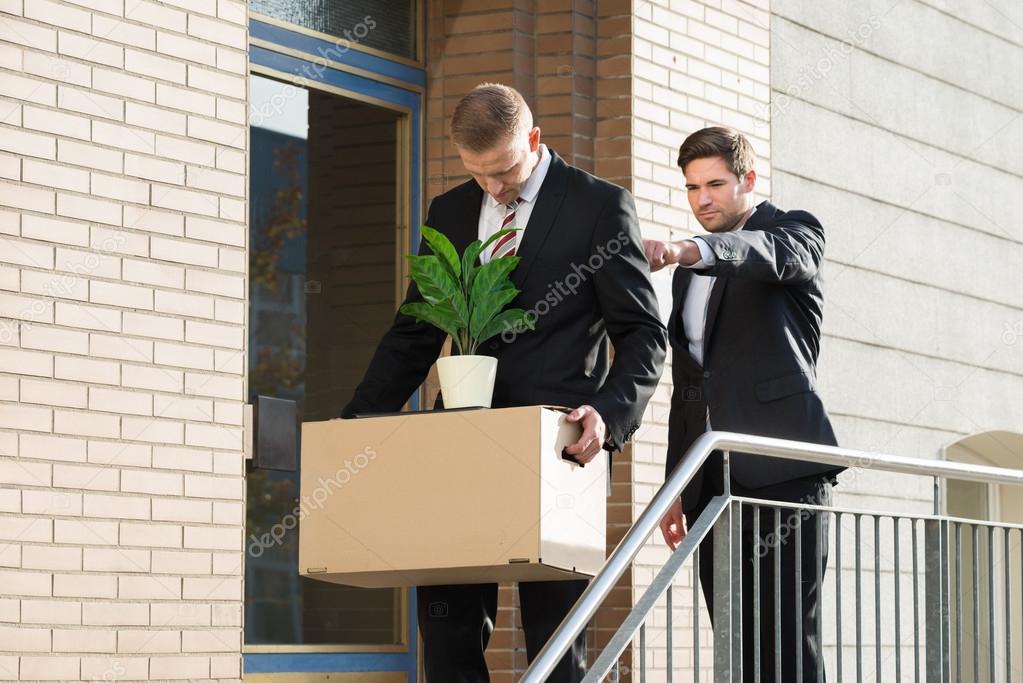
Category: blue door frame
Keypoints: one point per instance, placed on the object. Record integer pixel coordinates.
(275, 49)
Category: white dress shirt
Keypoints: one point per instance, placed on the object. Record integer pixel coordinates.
(694, 310)
(492, 213)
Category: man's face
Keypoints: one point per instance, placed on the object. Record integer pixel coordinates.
(503, 170)
(719, 199)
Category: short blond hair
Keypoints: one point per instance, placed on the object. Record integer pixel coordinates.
(490, 114)
(718, 141)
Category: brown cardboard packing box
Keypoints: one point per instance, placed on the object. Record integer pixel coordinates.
(459, 496)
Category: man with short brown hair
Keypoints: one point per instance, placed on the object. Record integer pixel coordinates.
(745, 332)
(585, 281)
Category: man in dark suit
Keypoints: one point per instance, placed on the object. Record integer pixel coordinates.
(584, 277)
(745, 336)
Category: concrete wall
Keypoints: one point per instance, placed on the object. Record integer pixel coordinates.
(122, 269)
(898, 125)
(910, 156)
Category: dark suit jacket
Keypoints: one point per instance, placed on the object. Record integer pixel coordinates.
(582, 234)
(761, 343)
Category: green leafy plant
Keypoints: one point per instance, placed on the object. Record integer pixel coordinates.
(464, 299)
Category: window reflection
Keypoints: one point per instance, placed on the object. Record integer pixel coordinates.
(322, 275)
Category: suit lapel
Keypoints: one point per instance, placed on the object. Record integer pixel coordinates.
(680, 283)
(548, 202)
(679, 286)
(765, 211)
(466, 228)
(713, 304)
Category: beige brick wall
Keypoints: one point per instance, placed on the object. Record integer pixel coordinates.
(696, 64)
(123, 145)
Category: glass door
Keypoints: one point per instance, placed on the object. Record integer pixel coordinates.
(333, 193)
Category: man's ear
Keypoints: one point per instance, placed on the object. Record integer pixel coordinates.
(534, 139)
(749, 181)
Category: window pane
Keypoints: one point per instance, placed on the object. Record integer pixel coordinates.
(388, 25)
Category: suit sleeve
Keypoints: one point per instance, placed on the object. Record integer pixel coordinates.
(402, 359)
(630, 312)
(791, 250)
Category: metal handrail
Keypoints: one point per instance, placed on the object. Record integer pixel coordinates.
(635, 539)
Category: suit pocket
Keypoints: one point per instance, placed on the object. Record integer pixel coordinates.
(786, 385)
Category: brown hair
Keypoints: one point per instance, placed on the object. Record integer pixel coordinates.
(727, 143)
(489, 115)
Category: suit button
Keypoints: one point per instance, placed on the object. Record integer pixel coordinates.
(706, 375)
(494, 345)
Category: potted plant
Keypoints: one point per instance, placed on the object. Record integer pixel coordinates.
(467, 301)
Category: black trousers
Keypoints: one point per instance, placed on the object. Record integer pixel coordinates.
(456, 622)
(763, 547)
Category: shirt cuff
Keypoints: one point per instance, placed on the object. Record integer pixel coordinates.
(707, 257)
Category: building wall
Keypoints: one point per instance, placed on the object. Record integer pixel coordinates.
(915, 171)
(122, 269)
(909, 153)
(696, 64)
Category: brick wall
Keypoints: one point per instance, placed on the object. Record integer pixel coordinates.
(696, 64)
(578, 89)
(123, 144)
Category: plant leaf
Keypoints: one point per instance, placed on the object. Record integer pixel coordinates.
(469, 267)
(492, 275)
(444, 250)
(441, 315)
(490, 306)
(435, 282)
(460, 307)
(514, 320)
(491, 291)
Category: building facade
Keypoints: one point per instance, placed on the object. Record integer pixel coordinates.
(206, 201)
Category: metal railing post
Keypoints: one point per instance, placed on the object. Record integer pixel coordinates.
(936, 599)
(723, 596)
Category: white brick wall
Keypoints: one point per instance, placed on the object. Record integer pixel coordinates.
(122, 272)
(696, 64)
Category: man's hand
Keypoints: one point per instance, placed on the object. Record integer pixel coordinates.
(673, 526)
(594, 431)
(661, 254)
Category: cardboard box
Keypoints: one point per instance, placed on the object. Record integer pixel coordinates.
(458, 496)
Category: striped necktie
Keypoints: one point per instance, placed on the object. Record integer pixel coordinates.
(506, 245)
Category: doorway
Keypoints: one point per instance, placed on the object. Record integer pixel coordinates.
(990, 561)
(329, 206)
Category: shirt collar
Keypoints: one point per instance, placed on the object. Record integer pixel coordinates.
(535, 180)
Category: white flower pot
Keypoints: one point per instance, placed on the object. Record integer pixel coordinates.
(467, 381)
